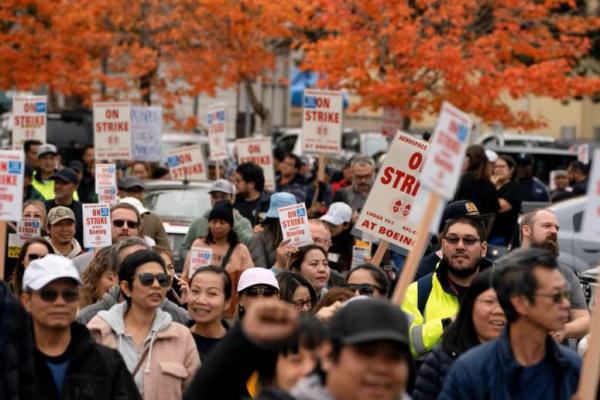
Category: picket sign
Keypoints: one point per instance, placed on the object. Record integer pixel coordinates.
(590, 370)
(12, 165)
(2, 248)
(440, 174)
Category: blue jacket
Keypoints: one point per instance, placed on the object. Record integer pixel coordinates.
(489, 372)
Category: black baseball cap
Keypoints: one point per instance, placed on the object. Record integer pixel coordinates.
(463, 208)
(363, 320)
(76, 166)
(524, 159)
(67, 175)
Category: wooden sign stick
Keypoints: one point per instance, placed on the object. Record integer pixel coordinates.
(380, 252)
(217, 171)
(590, 370)
(320, 178)
(414, 256)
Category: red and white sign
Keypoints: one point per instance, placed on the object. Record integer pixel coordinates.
(260, 152)
(106, 183)
(322, 121)
(28, 228)
(29, 119)
(187, 163)
(583, 153)
(199, 257)
(294, 225)
(112, 131)
(445, 157)
(11, 184)
(391, 121)
(392, 197)
(217, 135)
(591, 220)
(96, 225)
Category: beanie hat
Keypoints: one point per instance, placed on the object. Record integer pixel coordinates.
(223, 210)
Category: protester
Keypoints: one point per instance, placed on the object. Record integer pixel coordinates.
(35, 209)
(524, 362)
(44, 169)
(30, 148)
(578, 177)
(320, 233)
(318, 192)
(16, 369)
(339, 222)
(160, 354)
(289, 179)
(227, 251)
(433, 300)
(87, 183)
(562, 190)
(368, 280)
(297, 290)
(68, 363)
(264, 243)
(332, 301)
(176, 287)
(509, 199)
(365, 354)
(207, 299)
(131, 191)
(140, 170)
(65, 184)
(251, 199)
(32, 249)
(344, 179)
(363, 175)
(531, 187)
(30, 192)
(311, 262)
(539, 229)
(475, 184)
(255, 283)
(117, 254)
(479, 320)
(61, 232)
(98, 278)
(220, 190)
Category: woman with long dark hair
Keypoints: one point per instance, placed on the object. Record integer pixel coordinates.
(297, 290)
(510, 197)
(31, 250)
(475, 183)
(479, 320)
(311, 262)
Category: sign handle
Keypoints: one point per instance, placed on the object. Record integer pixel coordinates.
(320, 178)
(218, 170)
(414, 256)
(590, 370)
(2, 248)
(381, 249)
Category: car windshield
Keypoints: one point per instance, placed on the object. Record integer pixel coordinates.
(185, 203)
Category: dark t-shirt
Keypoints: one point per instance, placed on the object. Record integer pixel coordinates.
(58, 366)
(533, 382)
(505, 223)
(247, 208)
(481, 192)
(206, 344)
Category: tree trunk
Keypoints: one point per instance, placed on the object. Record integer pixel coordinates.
(259, 108)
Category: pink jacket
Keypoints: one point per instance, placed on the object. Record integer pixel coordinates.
(172, 359)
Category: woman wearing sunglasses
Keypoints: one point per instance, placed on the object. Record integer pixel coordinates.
(255, 283)
(368, 280)
(160, 355)
(31, 250)
(296, 290)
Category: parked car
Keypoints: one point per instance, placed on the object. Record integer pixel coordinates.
(515, 139)
(577, 250)
(178, 204)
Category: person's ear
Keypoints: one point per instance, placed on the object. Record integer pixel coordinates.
(521, 304)
(125, 289)
(525, 231)
(325, 352)
(25, 299)
(484, 247)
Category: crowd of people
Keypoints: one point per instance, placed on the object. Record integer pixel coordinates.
(268, 320)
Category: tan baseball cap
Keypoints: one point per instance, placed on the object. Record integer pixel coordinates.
(60, 213)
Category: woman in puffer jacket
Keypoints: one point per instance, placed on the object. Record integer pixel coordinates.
(160, 354)
(480, 319)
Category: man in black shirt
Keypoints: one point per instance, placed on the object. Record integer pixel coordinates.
(65, 184)
(251, 200)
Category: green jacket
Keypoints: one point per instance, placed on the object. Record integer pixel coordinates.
(199, 229)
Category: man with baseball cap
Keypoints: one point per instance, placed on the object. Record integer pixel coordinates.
(339, 221)
(220, 190)
(65, 191)
(61, 231)
(532, 188)
(46, 166)
(68, 363)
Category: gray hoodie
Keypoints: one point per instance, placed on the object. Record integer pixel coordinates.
(312, 388)
(129, 351)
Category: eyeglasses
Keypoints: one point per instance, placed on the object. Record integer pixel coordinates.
(34, 256)
(365, 289)
(257, 291)
(322, 241)
(557, 297)
(50, 295)
(147, 279)
(118, 223)
(301, 304)
(467, 240)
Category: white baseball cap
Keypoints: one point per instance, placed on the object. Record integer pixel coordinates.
(256, 276)
(338, 213)
(44, 270)
(491, 155)
(136, 203)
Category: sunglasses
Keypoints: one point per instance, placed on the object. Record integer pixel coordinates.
(467, 240)
(33, 256)
(118, 223)
(257, 291)
(147, 279)
(557, 297)
(50, 295)
(363, 288)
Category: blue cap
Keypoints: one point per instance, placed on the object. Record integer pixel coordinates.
(278, 200)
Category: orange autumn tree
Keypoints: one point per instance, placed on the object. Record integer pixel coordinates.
(414, 54)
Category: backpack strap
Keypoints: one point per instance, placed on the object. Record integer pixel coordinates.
(424, 287)
(227, 256)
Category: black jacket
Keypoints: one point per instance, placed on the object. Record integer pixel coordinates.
(94, 372)
(432, 374)
(16, 350)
